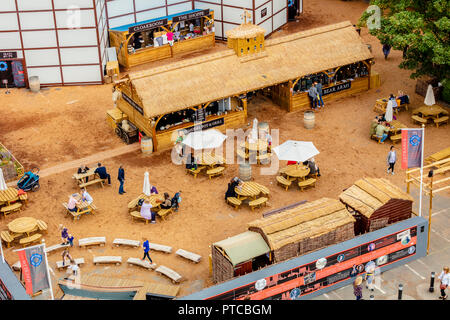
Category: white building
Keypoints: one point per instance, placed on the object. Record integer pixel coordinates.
(64, 42)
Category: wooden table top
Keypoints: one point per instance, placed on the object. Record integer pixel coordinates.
(8, 194)
(259, 145)
(22, 225)
(208, 159)
(249, 189)
(152, 200)
(396, 126)
(296, 170)
(80, 176)
(430, 111)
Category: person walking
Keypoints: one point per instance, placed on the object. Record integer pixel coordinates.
(391, 159)
(121, 178)
(357, 288)
(386, 50)
(146, 247)
(65, 254)
(445, 281)
(313, 94)
(64, 234)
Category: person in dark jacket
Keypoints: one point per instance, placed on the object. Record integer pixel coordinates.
(176, 201)
(386, 50)
(121, 178)
(101, 171)
(83, 169)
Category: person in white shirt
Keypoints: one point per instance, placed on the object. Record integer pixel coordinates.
(86, 197)
(74, 268)
(391, 159)
(445, 281)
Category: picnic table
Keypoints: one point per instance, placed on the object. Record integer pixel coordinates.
(430, 112)
(259, 145)
(81, 176)
(210, 160)
(295, 171)
(381, 104)
(23, 225)
(8, 195)
(249, 189)
(132, 205)
(396, 126)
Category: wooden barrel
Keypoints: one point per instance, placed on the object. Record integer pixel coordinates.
(146, 145)
(309, 119)
(245, 171)
(35, 84)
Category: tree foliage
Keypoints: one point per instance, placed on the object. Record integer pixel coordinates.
(421, 28)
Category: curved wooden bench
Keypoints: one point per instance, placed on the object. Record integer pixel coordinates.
(126, 242)
(85, 242)
(133, 203)
(258, 202)
(159, 247)
(396, 138)
(217, 171)
(307, 183)
(137, 215)
(234, 201)
(141, 263)
(419, 120)
(7, 237)
(196, 171)
(108, 259)
(55, 247)
(284, 182)
(34, 238)
(11, 208)
(163, 213)
(171, 274)
(59, 264)
(24, 198)
(188, 255)
(264, 190)
(42, 226)
(441, 120)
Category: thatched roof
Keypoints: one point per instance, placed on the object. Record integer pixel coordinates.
(223, 74)
(243, 247)
(305, 221)
(369, 194)
(247, 30)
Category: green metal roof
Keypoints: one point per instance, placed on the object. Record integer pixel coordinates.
(243, 247)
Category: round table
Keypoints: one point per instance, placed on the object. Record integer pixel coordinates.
(208, 159)
(296, 171)
(248, 189)
(152, 199)
(22, 225)
(259, 145)
(430, 111)
(8, 195)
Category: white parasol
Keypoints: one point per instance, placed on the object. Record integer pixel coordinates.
(147, 187)
(389, 111)
(3, 186)
(209, 139)
(429, 98)
(295, 150)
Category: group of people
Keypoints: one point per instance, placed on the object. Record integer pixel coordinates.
(231, 192)
(103, 174)
(146, 207)
(311, 164)
(315, 94)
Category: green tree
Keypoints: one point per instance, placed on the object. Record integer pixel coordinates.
(420, 28)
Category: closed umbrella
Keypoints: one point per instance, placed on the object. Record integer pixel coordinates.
(147, 187)
(209, 139)
(3, 186)
(389, 111)
(254, 133)
(429, 98)
(295, 150)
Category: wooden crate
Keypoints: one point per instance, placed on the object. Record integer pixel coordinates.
(115, 116)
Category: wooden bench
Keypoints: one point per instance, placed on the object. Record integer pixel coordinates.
(217, 171)
(284, 182)
(108, 259)
(24, 198)
(258, 202)
(188, 255)
(91, 182)
(441, 120)
(396, 138)
(59, 264)
(376, 138)
(85, 242)
(137, 215)
(126, 242)
(56, 247)
(172, 275)
(419, 120)
(234, 202)
(42, 226)
(195, 172)
(133, 203)
(15, 207)
(311, 182)
(159, 247)
(76, 215)
(7, 237)
(141, 263)
(163, 213)
(34, 238)
(264, 190)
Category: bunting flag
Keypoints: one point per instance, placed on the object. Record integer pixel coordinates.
(412, 140)
(34, 269)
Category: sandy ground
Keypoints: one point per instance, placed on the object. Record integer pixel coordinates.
(61, 125)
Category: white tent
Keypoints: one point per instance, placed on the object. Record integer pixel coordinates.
(3, 185)
(209, 139)
(429, 98)
(147, 187)
(295, 150)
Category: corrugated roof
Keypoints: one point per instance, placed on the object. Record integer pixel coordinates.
(220, 75)
(243, 247)
(369, 194)
(305, 221)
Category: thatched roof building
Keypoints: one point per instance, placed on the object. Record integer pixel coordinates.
(305, 228)
(378, 201)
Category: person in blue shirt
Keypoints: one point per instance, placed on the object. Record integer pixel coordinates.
(146, 247)
(101, 171)
(176, 201)
(121, 178)
(318, 86)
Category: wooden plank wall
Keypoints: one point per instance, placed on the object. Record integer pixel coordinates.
(191, 45)
(281, 95)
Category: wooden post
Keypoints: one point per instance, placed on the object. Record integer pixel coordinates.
(407, 182)
(429, 213)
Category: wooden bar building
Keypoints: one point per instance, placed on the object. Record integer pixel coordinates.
(212, 89)
(376, 203)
